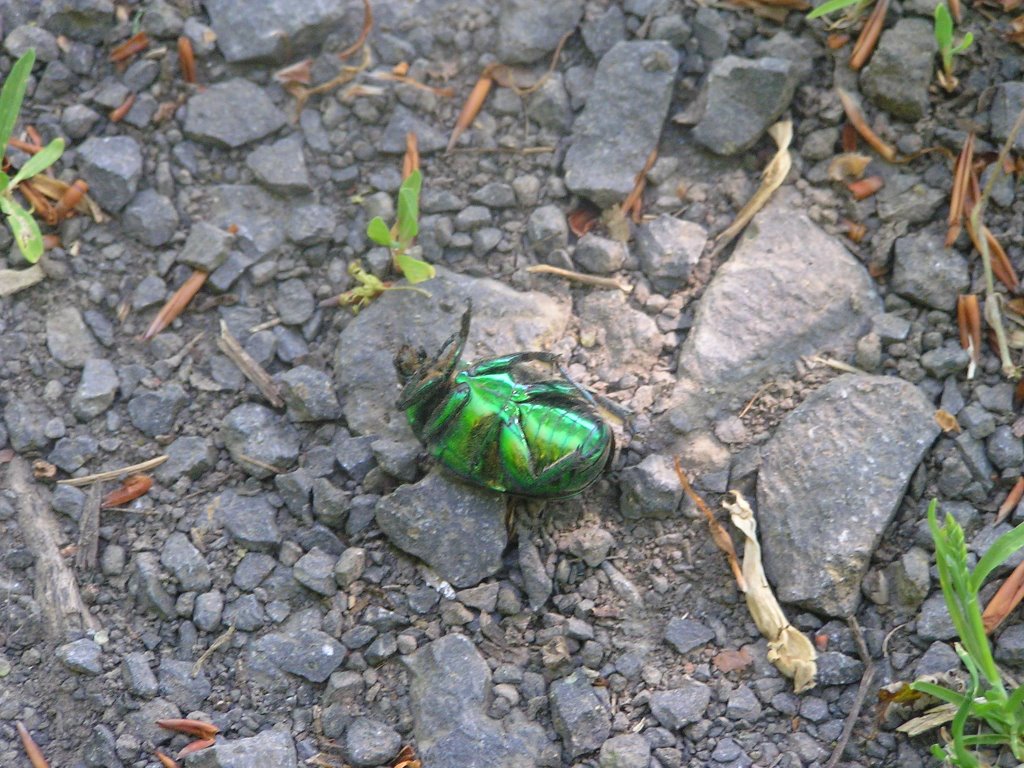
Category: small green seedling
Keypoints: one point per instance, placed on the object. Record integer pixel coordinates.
(944, 38)
(20, 220)
(399, 238)
(989, 698)
(831, 6)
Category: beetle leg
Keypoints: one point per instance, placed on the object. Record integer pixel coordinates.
(499, 364)
(447, 414)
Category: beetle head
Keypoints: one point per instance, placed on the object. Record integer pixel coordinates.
(423, 378)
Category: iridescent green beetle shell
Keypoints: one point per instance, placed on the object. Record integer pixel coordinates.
(494, 427)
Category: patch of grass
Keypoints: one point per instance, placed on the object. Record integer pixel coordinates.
(20, 220)
(947, 49)
(399, 237)
(988, 698)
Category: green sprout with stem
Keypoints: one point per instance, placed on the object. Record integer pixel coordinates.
(20, 220)
(944, 38)
(988, 697)
(831, 6)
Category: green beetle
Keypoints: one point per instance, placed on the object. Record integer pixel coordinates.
(494, 427)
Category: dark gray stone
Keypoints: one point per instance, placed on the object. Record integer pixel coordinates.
(178, 684)
(403, 120)
(77, 120)
(245, 614)
(449, 691)
(315, 570)
(307, 653)
(330, 503)
(72, 453)
(939, 659)
(26, 425)
(1010, 645)
(945, 361)
(627, 750)
(149, 590)
(149, 292)
(669, 248)
(529, 31)
(350, 566)
(100, 749)
(112, 166)
(68, 500)
(96, 390)
(712, 33)
(434, 518)
(549, 105)
(397, 457)
(309, 394)
(68, 339)
(256, 213)
(680, 706)
(900, 70)
(686, 634)
(153, 412)
(933, 621)
(547, 230)
(250, 520)
(743, 705)
(599, 255)
(295, 303)
(190, 457)
(650, 489)
(253, 431)
(82, 656)
(495, 194)
(26, 36)
(601, 34)
(85, 20)
(1007, 103)
(281, 167)
(182, 559)
(274, 30)
(206, 248)
(836, 668)
(369, 742)
(232, 113)
(905, 198)
(265, 749)
(622, 120)
(142, 722)
(208, 610)
(1005, 449)
(311, 223)
(252, 569)
(849, 481)
(744, 97)
(579, 715)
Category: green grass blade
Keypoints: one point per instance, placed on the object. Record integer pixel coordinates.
(939, 692)
(13, 93)
(25, 230)
(1001, 550)
(943, 27)
(830, 7)
(409, 208)
(40, 161)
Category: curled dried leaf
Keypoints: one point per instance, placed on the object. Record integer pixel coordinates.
(300, 72)
(133, 45)
(186, 59)
(849, 166)
(197, 728)
(860, 125)
(719, 535)
(195, 746)
(947, 421)
(863, 188)
(132, 487)
(117, 114)
(411, 160)
(472, 106)
(1010, 502)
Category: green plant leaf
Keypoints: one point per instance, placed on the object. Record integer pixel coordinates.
(378, 231)
(964, 44)
(12, 94)
(24, 228)
(943, 28)
(938, 692)
(40, 161)
(415, 271)
(409, 208)
(1001, 550)
(830, 7)
(5, 181)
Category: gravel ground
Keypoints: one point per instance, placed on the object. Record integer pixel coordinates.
(300, 574)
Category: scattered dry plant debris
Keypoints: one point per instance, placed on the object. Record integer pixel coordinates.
(473, 104)
(583, 218)
(190, 727)
(79, 200)
(855, 230)
(866, 187)
(773, 10)
(363, 34)
(856, 117)
(133, 45)
(251, 369)
(411, 159)
(947, 421)
(968, 317)
(633, 204)
(961, 188)
(186, 60)
(132, 487)
(177, 303)
(32, 750)
(118, 113)
(113, 474)
(195, 746)
(1010, 502)
(771, 179)
(222, 639)
(869, 34)
(719, 535)
(848, 166)
(579, 277)
(406, 758)
(166, 761)
(1006, 598)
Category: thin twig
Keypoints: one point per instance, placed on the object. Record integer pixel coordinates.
(115, 473)
(579, 277)
(866, 682)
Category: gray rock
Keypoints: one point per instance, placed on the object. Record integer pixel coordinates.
(112, 166)
(150, 218)
(686, 634)
(712, 33)
(392, 140)
(255, 212)
(549, 105)
(622, 121)
(744, 97)
(909, 578)
(330, 503)
(163, 19)
(680, 706)
(181, 558)
(926, 272)
(309, 394)
(890, 327)
(252, 569)
(246, 614)
(306, 652)
(836, 668)
(179, 685)
(100, 749)
(149, 590)
(82, 656)
(295, 303)
(253, 431)
(743, 705)
(905, 198)
(153, 412)
(599, 255)
(1005, 449)
(77, 120)
(315, 570)
(536, 581)
(578, 714)
(68, 500)
(1007, 103)
(209, 609)
(250, 521)
(631, 338)
(1010, 645)
(939, 659)
(650, 489)
(846, 481)
(274, 30)
(449, 691)
(267, 748)
(71, 453)
(933, 621)
(547, 230)
(311, 223)
(628, 750)
(900, 70)
(149, 292)
(138, 675)
(85, 20)
(591, 544)
(188, 457)
(281, 167)
(96, 390)
(232, 113)
(26, 36)
(68, 339)
(142, 722)
(945, 361)
(529, 31)
(668, 249)
(434, 518)
(504, 321)
(601, 34)
(26, 425)
(370, 742)
(495, 194)
(206, 248)
(397, 457)
(350, 566)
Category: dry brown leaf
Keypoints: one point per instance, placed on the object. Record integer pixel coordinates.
(300, 72)
(583, 218)
(836, 40)
(411, 159)
(771, 179)
(869, 34)
(1010, 502)
(249, 367)
(134, 44)
(195, 746)
(788, 648)
(860, 125)
(848, 166)
(730, 660)
(633, 203)
(473, 105)
(186, 59)
(71, 199)
(719, 535)
(197, 728)
(55, 189)
(855, 230)
(1002, 268)
(132, 487)
(118, 113)
(961, 188)
(864, 188)
(166, 761)
(37, 202)
(177, 303)
(947, 421)
(1006, 598)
